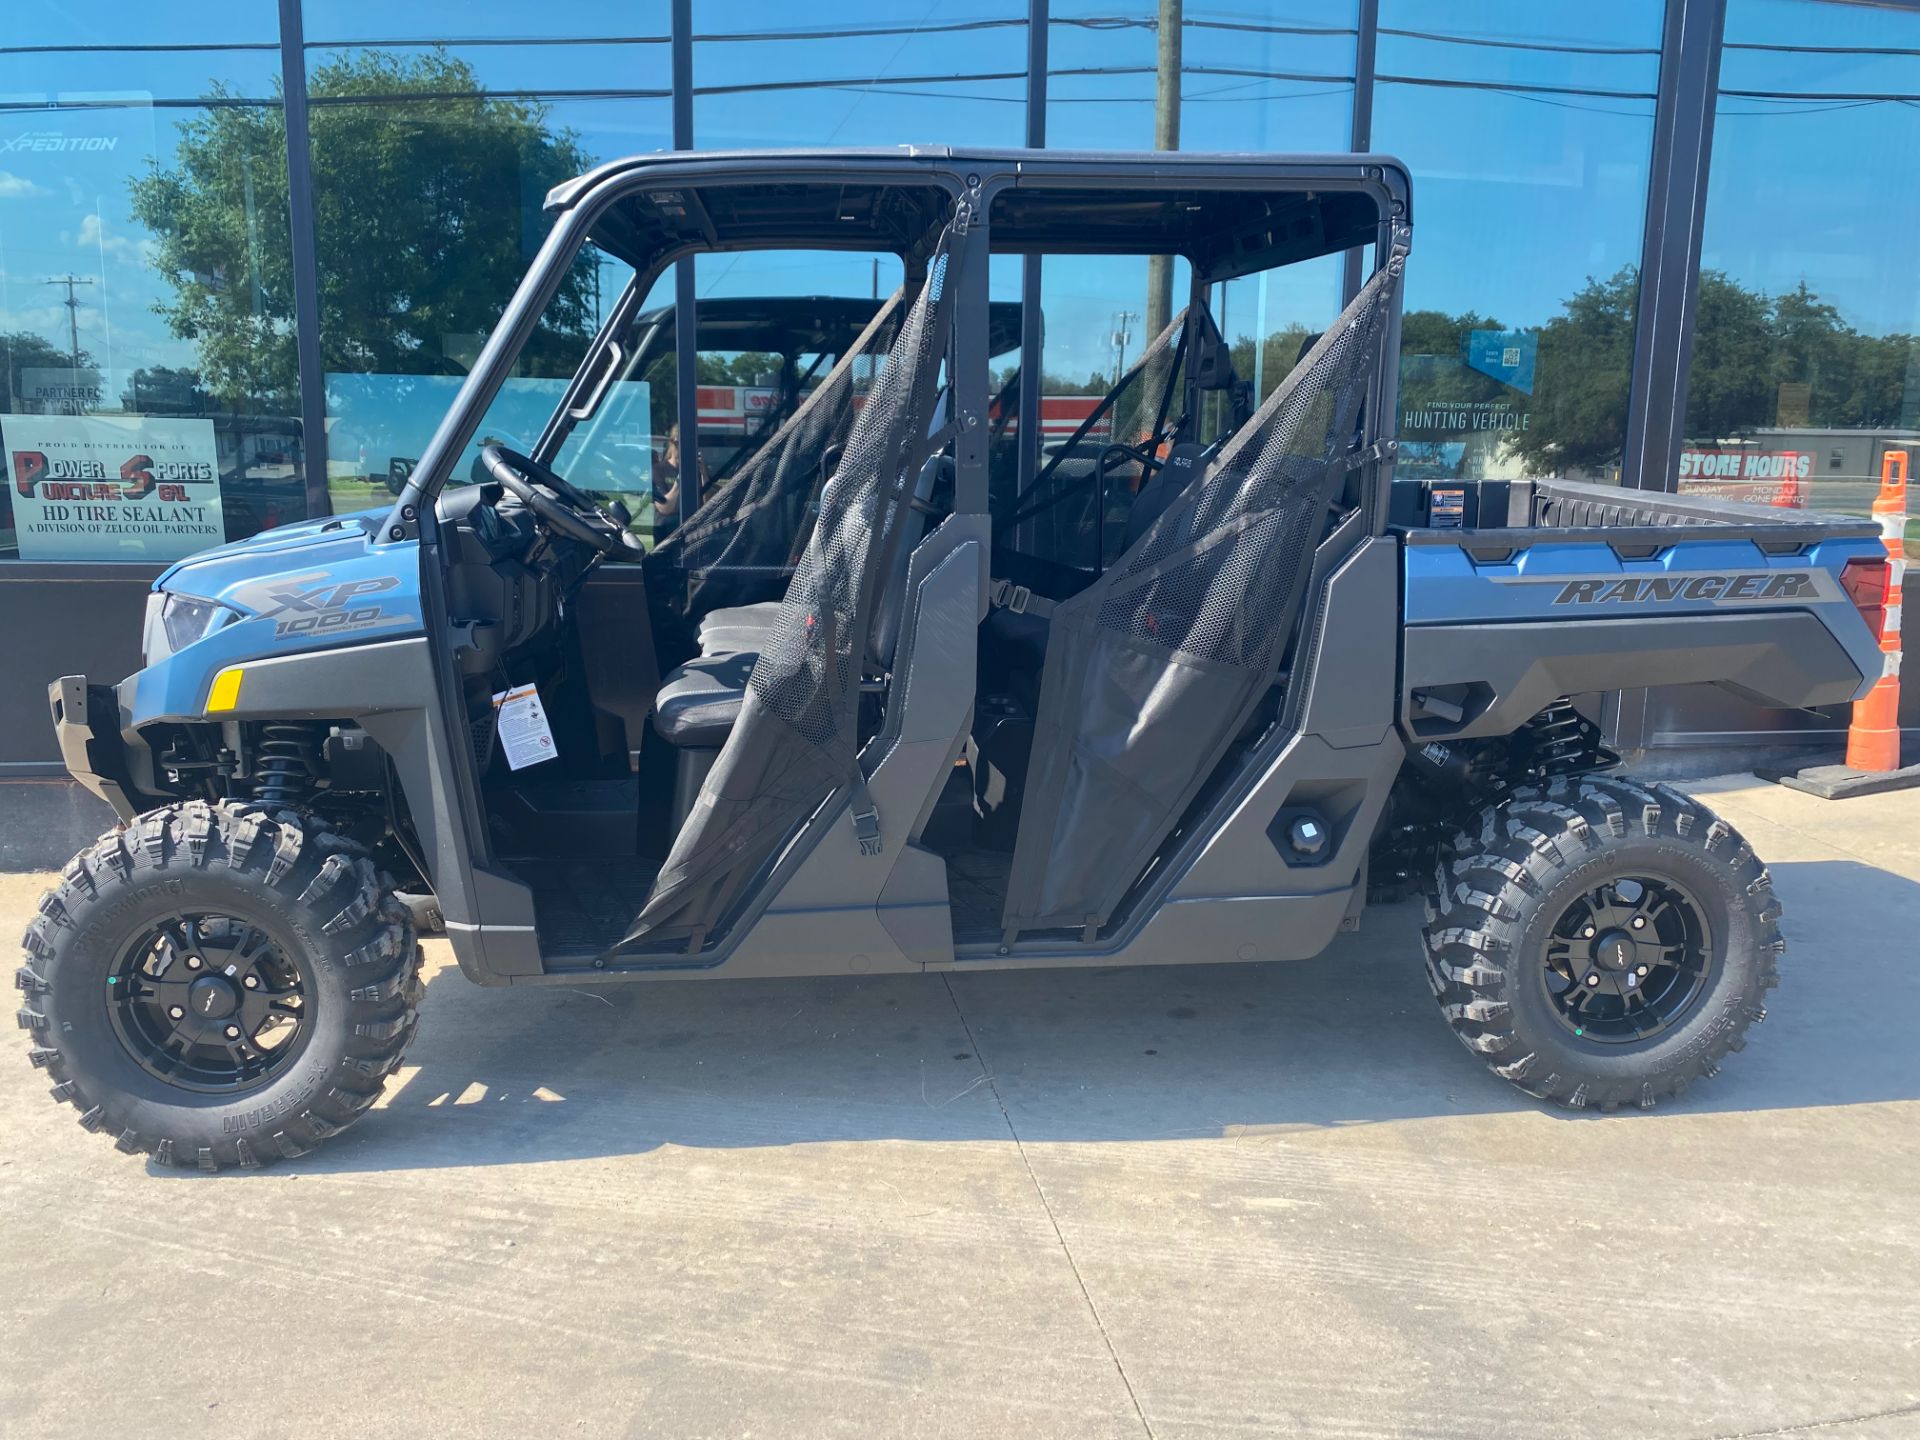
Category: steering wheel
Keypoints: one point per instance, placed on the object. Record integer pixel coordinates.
(557, 504)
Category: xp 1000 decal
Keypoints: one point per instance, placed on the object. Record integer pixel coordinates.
(304, 607)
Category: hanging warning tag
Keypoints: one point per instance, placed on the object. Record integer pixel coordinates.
(521, 721)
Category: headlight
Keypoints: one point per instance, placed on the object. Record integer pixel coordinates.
(175, 621)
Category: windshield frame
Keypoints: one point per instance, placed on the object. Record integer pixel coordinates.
(581, 207)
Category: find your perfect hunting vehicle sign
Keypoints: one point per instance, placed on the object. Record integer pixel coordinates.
(112, 487)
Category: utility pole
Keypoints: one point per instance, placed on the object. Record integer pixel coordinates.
(1122, 335)
(1166, 136)
(72, 303)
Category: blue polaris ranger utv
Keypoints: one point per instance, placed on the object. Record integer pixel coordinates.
(909, 685)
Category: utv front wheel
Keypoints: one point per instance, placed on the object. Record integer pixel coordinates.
(1600, 942)
(219, 986)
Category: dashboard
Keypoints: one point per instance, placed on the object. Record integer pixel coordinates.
(508, 580)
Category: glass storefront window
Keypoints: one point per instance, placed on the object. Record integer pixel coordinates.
(383, 406)
(430, 167)
(1528, 129)
(950, 72)
(149, 398)
(1275, 75)
(1805, 370)
(356, 22)
(69, 30)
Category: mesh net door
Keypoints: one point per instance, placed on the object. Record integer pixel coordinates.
(797, 739)
(738, 547)
(1154, 668)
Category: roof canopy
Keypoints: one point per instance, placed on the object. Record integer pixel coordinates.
(1227, 214)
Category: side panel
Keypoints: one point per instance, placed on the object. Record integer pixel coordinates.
(1540, 577)
(1350, 687)
(320, 684)
(1474, 680)
(332, 600)
(1489, 641)
(1237, 889)
(843, 909)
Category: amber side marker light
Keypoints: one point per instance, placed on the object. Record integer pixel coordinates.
(225, 692)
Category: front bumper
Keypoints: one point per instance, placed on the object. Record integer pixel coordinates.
(86, 718)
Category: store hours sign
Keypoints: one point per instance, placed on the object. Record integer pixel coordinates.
(112, 487)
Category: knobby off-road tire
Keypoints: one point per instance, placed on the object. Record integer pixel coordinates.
(1513, 900)
(321, 928)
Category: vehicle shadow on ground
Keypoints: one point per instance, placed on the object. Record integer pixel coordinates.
(1352, 1037)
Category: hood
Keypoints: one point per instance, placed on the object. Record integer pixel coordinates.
(312, 585)
(303, 545)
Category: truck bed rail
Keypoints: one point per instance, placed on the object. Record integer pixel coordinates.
(1513, 515)
(1573, 504)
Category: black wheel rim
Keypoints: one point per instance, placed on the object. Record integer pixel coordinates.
(1627, 960)
(209, 1002)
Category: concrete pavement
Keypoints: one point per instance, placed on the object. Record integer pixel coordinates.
(1233, 1200)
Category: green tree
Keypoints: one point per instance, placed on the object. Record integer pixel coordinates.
(1583, 370)
(748, 367)
(165, 390)
(1279, 353)
(426, 198)
(1433, 355)
(1852, 380)
(219, 219)
(1886, 382)
(1096, 383)
(1730, 388)
(1761, 360)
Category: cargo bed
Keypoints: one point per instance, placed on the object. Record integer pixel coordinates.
(1491, 519)
(1517, 593)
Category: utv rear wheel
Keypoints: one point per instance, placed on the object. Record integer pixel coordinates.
(216, 985)
(1600, 942)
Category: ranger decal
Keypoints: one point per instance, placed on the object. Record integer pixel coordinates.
(1761, 587)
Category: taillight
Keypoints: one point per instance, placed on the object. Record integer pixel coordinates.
(1865, 581)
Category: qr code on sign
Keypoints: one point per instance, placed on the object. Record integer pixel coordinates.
(1510, 357)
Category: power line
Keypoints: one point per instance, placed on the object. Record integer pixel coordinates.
(1548, 47)
(1791, 96)
(859, 32)
(1511, 87)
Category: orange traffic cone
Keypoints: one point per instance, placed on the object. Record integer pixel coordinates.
(1788, 496)
(1873, 739)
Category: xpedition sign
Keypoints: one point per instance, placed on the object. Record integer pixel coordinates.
(112, 487)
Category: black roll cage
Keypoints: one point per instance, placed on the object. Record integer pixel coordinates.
(1315, 186)
(973, 181)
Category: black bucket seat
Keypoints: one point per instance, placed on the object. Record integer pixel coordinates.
(699, 702)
